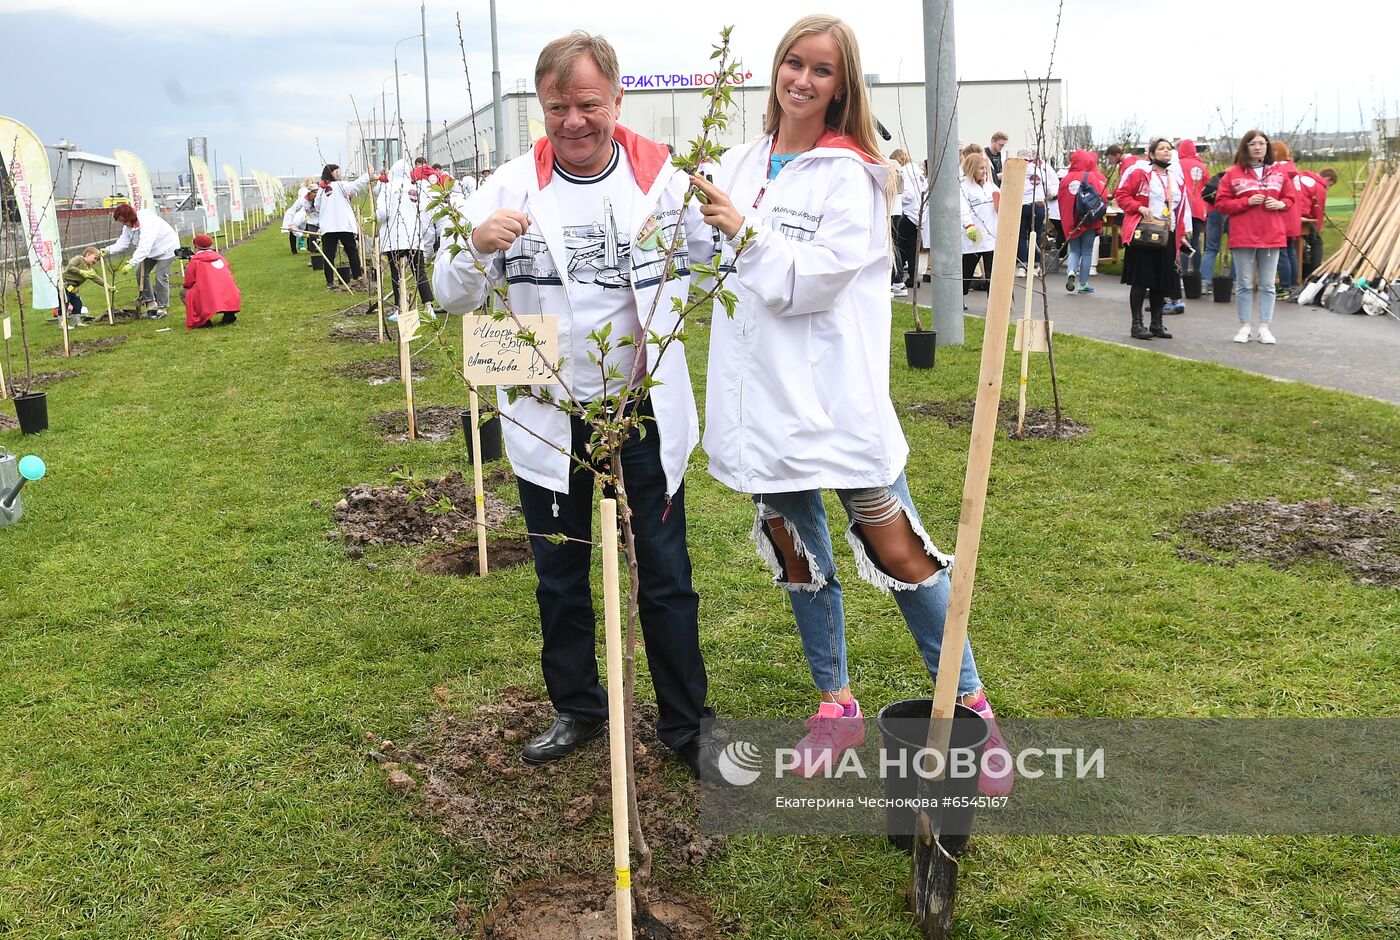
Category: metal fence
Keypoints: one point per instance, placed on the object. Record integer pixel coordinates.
(88, 228)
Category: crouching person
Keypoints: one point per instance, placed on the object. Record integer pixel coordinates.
(569, 228)
(209, 287)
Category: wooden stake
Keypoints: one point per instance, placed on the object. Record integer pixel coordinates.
(63, 321)
(1031, 246)
(476, 462)
(379, 291)
(106, 287)
(4, 389)
(408, 326)
(617, 719)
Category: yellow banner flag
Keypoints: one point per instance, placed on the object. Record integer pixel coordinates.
(235, 194)
(138, 181)
(28, 166)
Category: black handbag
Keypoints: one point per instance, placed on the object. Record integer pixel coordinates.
(1151, 233)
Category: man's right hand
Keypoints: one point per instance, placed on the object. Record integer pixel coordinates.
(499, 230)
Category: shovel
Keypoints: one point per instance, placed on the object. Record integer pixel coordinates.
(934, 877)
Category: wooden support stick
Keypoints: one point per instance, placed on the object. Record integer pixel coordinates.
(1031, 246)
(379, 291)
(4, 389)
(617, 718)
(476, 481)
(106, 287)
(63, 321)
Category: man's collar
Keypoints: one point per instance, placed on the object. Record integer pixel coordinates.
(648, 158)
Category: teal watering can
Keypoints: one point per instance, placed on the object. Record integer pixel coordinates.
(14, 473)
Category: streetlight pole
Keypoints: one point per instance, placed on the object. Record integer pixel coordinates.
(427, 108)
(945, 239)
(498, 109)
(398, 100)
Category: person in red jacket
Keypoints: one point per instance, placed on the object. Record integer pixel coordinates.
(209, 287)
(1314, 193)
(1080, 233)
(1153, 192)
(1196, 175)
(1256, 195)
(1288, 260)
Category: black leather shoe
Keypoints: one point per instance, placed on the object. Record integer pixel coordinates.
(701, 754)
(563, 737)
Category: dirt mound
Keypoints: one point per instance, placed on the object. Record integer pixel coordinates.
(342, 333)
(386, 515)
(118, 316)
(461, 560)
(367, 309)
(528, 822)
(381, 371)
(89, 346)
(43, 380)
(586, 909)
(1365, 540)
(434, 423)
(1040, 422)
(8, 424)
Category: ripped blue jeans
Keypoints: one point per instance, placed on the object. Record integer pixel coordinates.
(816, 604)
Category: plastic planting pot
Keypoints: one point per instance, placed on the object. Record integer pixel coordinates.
(491, 445)
(32, 412)
(1191, 285)
(344, 271)
(318, 263)
(903, 733)
(1222, 289)
(919, 346)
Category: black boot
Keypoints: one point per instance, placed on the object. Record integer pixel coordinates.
(1158, 330)
(1138, 332)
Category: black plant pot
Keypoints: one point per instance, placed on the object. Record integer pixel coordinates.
(33, 412)
(903, 733)
(1191, 284)
(318, 263)
(1222, 289)
(344, 271)
(919, 346)
(491, 448)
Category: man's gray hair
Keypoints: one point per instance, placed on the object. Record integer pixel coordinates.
(556, 61)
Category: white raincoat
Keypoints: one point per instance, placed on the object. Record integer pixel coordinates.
(401, 206)
(532, 269)
(296, 212)
(153, 239)
(334, 204)
(798, 391)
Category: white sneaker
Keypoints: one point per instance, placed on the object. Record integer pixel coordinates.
(1243, 335)
(899, 290)
(1265, 336)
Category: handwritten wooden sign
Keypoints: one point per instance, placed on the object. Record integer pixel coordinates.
(409, 321)
(8, 333)
(494, 354)
(1040, 331)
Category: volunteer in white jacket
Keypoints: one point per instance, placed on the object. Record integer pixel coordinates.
(334, 201)
(151, 242)
(1042, 187)
(295, 216)
(980, 201)
(405, 226)
(797, 398)
(578, 228)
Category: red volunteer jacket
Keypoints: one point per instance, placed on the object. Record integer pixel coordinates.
(209, 289)
(1134, 192)
(1314, 191)
(1294, 215)
(1256, 226)
(1080, 162)
(1196, 176)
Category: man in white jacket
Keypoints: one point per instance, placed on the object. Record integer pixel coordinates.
(151, 242)
(578, 228)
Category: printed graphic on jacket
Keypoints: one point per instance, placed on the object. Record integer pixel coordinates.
(600, 254)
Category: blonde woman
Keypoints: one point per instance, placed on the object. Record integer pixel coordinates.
(798, 396)
(981, 201)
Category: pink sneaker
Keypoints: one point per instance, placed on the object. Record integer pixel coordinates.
(997, 774)
(835, 729)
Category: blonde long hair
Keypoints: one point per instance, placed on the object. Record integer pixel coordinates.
(851, 115)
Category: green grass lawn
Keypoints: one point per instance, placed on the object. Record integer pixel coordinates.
(187, 663)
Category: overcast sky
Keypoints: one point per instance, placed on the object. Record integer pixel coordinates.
(263, 79)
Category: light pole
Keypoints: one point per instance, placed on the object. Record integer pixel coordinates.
(427, 107)
(396, 73)
(384, 111)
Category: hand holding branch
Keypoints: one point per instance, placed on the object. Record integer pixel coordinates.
(716, 207)
(499, 230)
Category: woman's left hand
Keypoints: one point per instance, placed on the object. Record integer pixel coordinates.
(1275, 204)
(716, 207)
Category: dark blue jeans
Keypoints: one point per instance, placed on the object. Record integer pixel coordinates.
(1288, 266)
(1026, 219)
(1217, 226)
(669, 606)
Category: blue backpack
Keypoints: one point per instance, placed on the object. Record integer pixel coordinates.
(1089, 206)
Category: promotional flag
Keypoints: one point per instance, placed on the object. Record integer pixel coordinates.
(204, 186)
(28, 166)
(235, 194)
(265, 191)
(138, 181)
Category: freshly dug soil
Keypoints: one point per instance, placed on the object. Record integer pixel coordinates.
(368, 309)
(384, 515)
(381, 371)
(434, 423)
(358, 334)
(89, 346)
(1365, 540)
(8, 424)
(43, 380)
(527, 822)
(118, 316)
(1040, 422)
(461, 560)
(585, 908)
